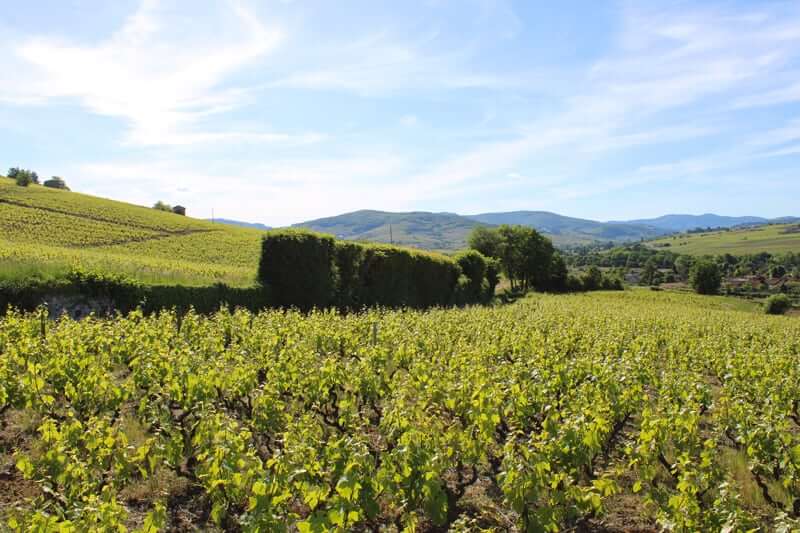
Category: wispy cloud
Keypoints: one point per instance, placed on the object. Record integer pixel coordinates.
(665, 61)
(154, 73)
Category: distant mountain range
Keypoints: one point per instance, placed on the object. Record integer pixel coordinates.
(568, 230)
(432, 231)
(449, 231)
(254, 225)
(686, 222)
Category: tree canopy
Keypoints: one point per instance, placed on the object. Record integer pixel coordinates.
(526, 257)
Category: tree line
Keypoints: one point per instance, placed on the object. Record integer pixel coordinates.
(530, 261)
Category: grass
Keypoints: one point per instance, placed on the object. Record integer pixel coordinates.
(46, 232)
(774, 238)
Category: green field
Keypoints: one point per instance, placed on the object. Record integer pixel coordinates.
(613, 412)
(777, 238)
(46, 232)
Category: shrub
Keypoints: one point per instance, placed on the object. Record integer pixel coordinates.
(592, 279)
(705, 277)
(125, 293)
(23, 177)
(473, 267)
(777, 304)
(612, 283)
(574, 284)
(298, 268)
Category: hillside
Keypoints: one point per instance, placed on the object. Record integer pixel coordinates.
(677, 223)
(774, 238)
(46, 231)
(568, 230)
(432, 231)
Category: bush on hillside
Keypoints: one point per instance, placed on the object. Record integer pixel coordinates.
(705, 277)
(777, 304)
(23, 177)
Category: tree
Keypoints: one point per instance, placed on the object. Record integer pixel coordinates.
(649, 272)
(592, 279)
(485, 240)
(161, 206)
(682, 266)
(56, 183)
(23, 177)
(705, 277)
(777, 271)
(558, 273)
(525, 255)
(473, 268)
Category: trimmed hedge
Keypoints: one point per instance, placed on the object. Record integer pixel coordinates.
(304, 269)
(125, 294)
(298, 266)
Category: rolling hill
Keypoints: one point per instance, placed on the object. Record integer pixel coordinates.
(432, 231)
(45, 232)
(772, 238)
(678, 223)
(449, 231)
(568, 230)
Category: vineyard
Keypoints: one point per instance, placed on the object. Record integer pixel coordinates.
(773, 238)
(43, 230)
(632, 411)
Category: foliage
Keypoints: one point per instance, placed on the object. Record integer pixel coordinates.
(705, 277)
(538, 416)
(525, 255)
(162, 206)
(485, 240)
(473, 267)
(777, 304)
(592, 279)
(23, 177)
(298, 268)
(306, 270)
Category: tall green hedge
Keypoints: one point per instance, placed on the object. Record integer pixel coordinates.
(305, 270)
(299, 268)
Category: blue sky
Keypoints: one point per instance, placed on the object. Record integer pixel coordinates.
(283, 111)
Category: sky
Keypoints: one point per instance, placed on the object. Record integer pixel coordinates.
(281, 111)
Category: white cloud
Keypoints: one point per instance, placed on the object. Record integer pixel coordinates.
(409, 121)
(279, 192)
(155, 72)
